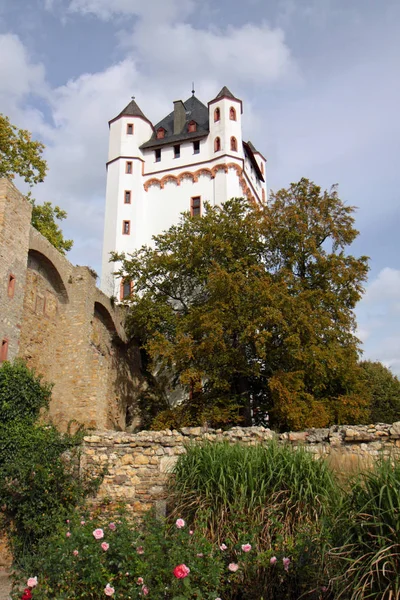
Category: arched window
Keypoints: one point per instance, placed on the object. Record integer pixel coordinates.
(217, 144)
(217, 115)
(233, 144)
(160, 133)
(263, 194)
(232, 114)
(262, 168)
(192, 126)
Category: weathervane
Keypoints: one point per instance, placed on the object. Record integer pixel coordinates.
(193, 88)
(133, 97)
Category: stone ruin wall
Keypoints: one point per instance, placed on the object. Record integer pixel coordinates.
(63, 325)
(137, 465)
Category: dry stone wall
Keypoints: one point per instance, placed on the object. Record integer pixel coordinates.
(137, 465)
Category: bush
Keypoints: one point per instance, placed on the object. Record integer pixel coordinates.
(22, 393)
(132, 561)
(39, 480)
(368, 536)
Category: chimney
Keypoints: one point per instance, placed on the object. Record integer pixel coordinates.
(179, 116)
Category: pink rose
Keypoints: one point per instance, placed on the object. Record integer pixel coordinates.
(140, 550)
(286, 563)
(98, 534)
(68, 534)
(246, 547)
(145, 590)
(32, 582)
(190, 532)
(223, 547)
(200, 555)
(108, 590)
(67, 520)
(180, 523)
(105, 546)
(139, 580)
(233, 567)
(83, 522)
(127, 574)
(273, 560)
(181, 571)
(75, 553)
(112, 526)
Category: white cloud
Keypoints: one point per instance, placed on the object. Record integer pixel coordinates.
(18, 75)
(379, 319)
(250, 53)
(154, 10)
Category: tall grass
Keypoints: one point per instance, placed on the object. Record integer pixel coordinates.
(270, 488)
(275, 497)
(369, 536)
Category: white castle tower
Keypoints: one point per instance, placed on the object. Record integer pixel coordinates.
(195, 154)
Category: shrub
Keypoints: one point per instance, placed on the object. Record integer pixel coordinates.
(134, 562)
(384, 388)
(368, 536)
(22, 393)
(39, 481)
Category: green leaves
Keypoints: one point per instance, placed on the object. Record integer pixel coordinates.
(255, 303)
(19, 154)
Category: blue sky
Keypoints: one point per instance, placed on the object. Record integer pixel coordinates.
(319, 80)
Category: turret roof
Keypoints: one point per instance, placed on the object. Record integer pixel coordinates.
(132, 110)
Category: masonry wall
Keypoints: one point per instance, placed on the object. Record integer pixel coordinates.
(63, 325)
(138, 465)
(15, 218)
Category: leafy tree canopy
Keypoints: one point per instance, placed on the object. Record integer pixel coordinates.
(20, 155)
(252, 306)
(384, 388)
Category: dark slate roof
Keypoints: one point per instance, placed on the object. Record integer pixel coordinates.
(195, 111)
(131, 110)
(225, 93)
(252, 147)
(250, 153)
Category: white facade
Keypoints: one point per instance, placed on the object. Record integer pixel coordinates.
(160, 190)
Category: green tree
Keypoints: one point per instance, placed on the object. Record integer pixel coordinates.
(384, 389)
(252, 306)
(22, 156)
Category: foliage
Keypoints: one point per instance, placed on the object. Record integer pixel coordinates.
(384, 388)
(39, 482)
(369, 536)
(274, 497)
(22, 393)
(20, 155)
(136, 561)
(44, 218)
(254, 305)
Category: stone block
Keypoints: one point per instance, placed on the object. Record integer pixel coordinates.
(167, 463)
(298, 436)
(127, 459)
(141, 460)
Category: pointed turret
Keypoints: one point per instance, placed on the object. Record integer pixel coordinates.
(226, 94)
(132, 110)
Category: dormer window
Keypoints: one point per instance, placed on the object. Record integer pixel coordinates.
(217, 144)
(160, 133)
(217, 115)
(232, 114)
(192, 127)
(233, 144)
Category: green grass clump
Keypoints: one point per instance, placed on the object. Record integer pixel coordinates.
(368, 533)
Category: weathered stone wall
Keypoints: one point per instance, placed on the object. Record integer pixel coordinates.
(63, 325)
(137, 465)
(15, 218)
